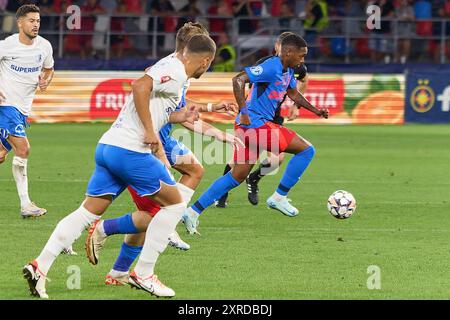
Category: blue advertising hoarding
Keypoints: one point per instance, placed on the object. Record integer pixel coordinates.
(427, 97)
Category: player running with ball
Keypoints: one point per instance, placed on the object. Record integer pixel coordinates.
(26, 63)
(272, 162)
(270, 80)
(126, 156)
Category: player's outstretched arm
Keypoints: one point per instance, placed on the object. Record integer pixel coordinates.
(301, 102)
(189, 114)
(223, 107)
(239, 82)
(142, 89)
(209, 130)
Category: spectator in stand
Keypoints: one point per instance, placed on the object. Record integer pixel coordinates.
(118, 41)
(242, 8)
(440, 10)
(165, 23)
(379, 43)
(286, 15)
(275, 8)
(88, 11)
(405, 15)
(316, 21)
(225, 55)
(218, 25)
(46, 7)
(190, 12)
(109, 5)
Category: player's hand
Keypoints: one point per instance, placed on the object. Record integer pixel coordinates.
(226, 107)
(2, 97)
(323, 113)
(233, 140)
(43, 83)
(192, 114)
(244, 119)
(293, 112)
(163, 158)
(153, 142)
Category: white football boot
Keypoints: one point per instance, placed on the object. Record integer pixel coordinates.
(32, 211)
(283, 206)
(152, 285)
(178, 243)
(36, 280)
(94, 242)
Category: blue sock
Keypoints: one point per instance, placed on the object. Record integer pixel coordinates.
(295, 169)
(121, 225)
(215, 191)
(126, 257)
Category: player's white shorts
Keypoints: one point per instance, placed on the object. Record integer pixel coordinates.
(117, 168)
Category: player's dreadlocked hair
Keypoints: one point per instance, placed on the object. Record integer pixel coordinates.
(188, 30)
(201, 43)
(294, 41)
(26, 9)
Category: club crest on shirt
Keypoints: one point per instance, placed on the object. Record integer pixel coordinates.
(39, 58)
(165, 79)
(257, 70)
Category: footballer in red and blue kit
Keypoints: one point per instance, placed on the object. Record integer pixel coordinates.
(270, 80)
(269, 84)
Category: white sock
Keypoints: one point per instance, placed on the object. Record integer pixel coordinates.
(64, 235)
(157, 238)
(278, 197)
(19, 169)
(186, 192)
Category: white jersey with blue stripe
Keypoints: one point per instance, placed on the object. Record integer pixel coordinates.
(165, 131)
(169, 79)
(20, 67)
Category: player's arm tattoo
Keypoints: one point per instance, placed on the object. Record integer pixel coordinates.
(239, 82)
(301, 102)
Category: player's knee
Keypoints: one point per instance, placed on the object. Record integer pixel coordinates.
(2, 159)
(23, 152)
(198, 171)
(309, 152)
(239, 176)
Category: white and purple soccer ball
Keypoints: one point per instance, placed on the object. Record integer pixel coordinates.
(341, 204)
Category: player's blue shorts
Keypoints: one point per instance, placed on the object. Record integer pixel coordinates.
(3, 141)
(174, 148)
(12, 122)
(117, 168)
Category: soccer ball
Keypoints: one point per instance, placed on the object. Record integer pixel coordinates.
(341, 204)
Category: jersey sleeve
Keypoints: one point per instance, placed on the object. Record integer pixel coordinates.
(2, 49)
(49, 62)
(293, 82)
(163, 79)
(263, 72)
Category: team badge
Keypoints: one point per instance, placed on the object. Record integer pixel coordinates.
(39, 58)
(422, 98)
(256, 70)
(165, 79)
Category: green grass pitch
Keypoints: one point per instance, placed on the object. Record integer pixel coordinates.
(399, 175)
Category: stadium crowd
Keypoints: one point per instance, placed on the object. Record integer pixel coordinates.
(326, 25)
